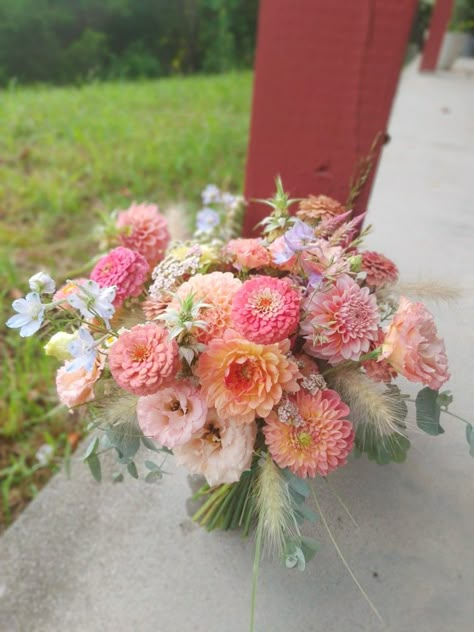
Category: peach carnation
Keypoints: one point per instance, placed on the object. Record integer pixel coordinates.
(77, 387)
(341, 322)
(220, 451)
(310, 435)
(380, 270)
(145, 230)
(68, 288)
(173, 414)
(316, 207)
(143, 359)
(379, 370)
(248, 253)
(244, 380)
(216, 289)
(413, 348)
(126, 269)
(266, 310)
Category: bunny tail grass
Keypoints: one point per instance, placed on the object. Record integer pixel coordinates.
(430, 290)
(276, 521)
(343, 559)
(372, 404)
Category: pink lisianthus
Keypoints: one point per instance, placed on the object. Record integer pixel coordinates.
(68, 288)
(248, 253)
(220, 451)
(77, 387)
(126, 269)
(266, 310)
(379, 269)
(341, 323)
(413, 348)
(244, 380)
(310, 434)
(173, 414)
(143, 360)
(145, 230)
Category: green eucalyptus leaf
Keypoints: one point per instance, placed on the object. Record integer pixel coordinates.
(309, 546)
(470, 438)
(117, 477)
(91, 448)
(428, 412)
(152, 466)
(153, 477)
(148, 443)
(126, 440)
(305, 513)
(297, 484)
(94, 466)
(132, 469)
(382, 449)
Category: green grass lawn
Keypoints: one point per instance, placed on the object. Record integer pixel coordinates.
(66, 155)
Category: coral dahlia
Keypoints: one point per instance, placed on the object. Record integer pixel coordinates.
(145, 230)
(380, 270)
(316, 440)
(266, 310)
(341, 322)
(244, 380)
(143, 359)
(123, 268)
(316, 207)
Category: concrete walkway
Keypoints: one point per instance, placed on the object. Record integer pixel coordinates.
(97, 558)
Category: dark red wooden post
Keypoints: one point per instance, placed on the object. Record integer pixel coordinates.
(325, 77)
(438, 25)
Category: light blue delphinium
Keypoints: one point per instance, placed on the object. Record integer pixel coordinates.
(210, 194)
(84, 351)
(207, 219)
(42, 283)
(92, 300)
(30, 314)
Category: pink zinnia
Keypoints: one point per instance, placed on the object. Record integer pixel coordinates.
(380, 270)
(173, 414)
(266, 310)
(248, 253)
(341, 322)
(220, 451)
(145, 230)
(314, 438)
(143, 359)
(244, 380)
(413, 348)
(126, 269)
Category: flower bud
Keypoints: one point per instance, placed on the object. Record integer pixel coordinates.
(58, 346)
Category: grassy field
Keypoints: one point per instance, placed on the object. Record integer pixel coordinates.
(66, 155)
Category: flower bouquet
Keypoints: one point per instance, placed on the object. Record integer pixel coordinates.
(258, 364)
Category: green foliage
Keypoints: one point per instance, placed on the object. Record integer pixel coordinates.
(381, 448)
(68, 42)
(428, 411)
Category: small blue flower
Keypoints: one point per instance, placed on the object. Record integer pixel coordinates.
(92, 300)
(84, 351)
(42, 283)
(30, 314)
(210, 194)
(207, 219)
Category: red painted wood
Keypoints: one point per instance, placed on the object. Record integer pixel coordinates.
(325, 77)
(438, 24)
